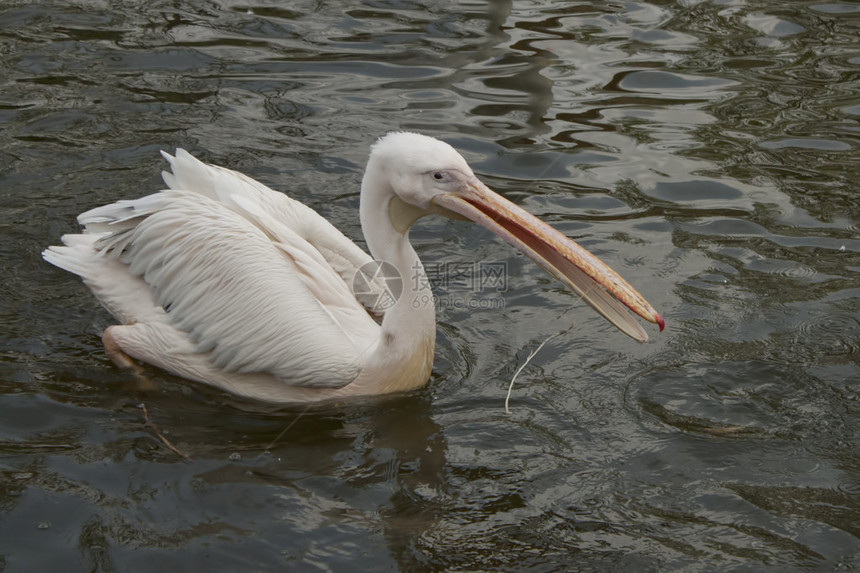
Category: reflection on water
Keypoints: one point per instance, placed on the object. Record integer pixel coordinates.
(707, 150)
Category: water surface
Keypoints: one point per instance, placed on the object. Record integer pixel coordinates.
(706, 150)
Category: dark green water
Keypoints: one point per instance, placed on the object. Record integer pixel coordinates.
(706, 150)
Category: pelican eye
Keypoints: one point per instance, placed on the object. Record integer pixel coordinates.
(440, 176)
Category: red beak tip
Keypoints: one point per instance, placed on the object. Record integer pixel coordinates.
(659, 320)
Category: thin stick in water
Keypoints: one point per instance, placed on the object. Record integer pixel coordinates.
(161, 436)
(287, 429)
(524, 364)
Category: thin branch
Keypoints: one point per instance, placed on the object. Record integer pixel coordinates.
(290, 425)
(148, 421)
(524, 364)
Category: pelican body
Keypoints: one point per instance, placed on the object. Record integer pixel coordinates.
(221, 280)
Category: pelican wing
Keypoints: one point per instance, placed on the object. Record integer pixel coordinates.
(247, 289)
(276, 214)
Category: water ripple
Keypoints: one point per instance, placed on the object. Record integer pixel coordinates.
(704, 149)
(830, 335)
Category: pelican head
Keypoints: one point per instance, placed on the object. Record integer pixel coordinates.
(410, 175)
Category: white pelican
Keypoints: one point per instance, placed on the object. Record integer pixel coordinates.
(221, 280)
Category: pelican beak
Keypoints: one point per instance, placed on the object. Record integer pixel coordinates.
(561, 257)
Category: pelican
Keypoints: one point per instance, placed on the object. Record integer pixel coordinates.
(221, 280)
